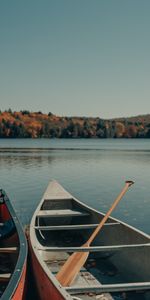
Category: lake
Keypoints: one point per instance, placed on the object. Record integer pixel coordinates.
(93, 170)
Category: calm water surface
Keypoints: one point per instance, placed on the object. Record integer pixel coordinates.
(93, 170)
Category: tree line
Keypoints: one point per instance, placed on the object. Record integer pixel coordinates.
(26, 124)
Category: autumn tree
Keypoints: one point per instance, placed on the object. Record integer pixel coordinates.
(120, 130)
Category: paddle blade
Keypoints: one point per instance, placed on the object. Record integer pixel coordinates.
(71, 268)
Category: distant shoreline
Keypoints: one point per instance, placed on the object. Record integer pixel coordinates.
(25, 124)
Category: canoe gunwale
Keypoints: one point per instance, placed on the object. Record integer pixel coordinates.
(22, 257)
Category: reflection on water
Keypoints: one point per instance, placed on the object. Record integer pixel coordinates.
(103, 144)
(95, 176)
(23, 161)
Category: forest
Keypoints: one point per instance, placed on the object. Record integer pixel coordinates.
(26, 124)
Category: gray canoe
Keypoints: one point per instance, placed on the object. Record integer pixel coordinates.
(119, 260)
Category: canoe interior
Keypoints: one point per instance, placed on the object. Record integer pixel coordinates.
(10, 256)
(118, 255)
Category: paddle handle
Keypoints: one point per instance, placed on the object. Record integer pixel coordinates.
(96, 231)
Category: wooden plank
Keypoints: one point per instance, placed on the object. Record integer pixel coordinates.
(73, 227)
(95, 248)
(8, 250)
(85, 278)
(109, 288)
(61, 213)
(5, 277)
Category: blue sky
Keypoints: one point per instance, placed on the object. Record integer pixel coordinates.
(75, 57)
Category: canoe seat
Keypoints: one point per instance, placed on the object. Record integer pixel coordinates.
(61, 213)
(7, 229)
(5, 277)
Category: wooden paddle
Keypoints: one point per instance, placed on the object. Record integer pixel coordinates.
(75, 262)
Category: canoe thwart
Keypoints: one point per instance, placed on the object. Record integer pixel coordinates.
(73, 227)
(109, 288)
(95, 248)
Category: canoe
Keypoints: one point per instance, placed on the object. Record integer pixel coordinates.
(13, 252)
(119, 260)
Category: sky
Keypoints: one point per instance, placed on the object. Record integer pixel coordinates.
(75, 57)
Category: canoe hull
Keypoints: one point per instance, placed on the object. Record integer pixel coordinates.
(61, 224)
(20, 292)
(14, 250)
(45, 287)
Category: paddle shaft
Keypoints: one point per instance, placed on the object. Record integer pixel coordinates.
(96, 231)
(74, 263)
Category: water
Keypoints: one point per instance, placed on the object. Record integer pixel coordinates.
(93, 170)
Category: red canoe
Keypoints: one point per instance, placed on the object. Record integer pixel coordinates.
(119, 260)
(13, 253)
(40, 241)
